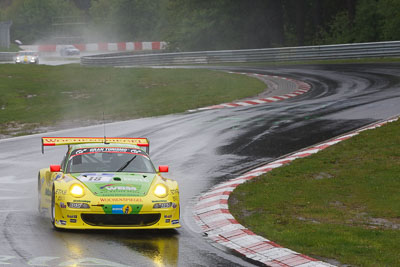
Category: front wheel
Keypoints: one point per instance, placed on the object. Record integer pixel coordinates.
(53, 209)
(39, 195)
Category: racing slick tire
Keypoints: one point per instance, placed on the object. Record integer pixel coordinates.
(39, 198)
(53, 209)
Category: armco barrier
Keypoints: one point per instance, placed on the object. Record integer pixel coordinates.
(7, 56)
(341, 51)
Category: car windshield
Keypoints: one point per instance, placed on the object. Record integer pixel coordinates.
(109, 159)
(27, 53)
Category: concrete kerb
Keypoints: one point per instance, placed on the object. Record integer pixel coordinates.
(212, 213)
(298, 87)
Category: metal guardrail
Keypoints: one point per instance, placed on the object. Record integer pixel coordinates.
(323, 52)
(7, 56)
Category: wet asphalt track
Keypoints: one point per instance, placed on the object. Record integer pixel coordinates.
(202, 149)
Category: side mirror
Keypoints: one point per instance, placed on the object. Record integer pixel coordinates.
(55, 168)
(163, 168)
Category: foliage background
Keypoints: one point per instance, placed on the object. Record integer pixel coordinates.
(189, 25)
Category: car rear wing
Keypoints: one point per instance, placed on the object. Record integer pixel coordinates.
(56, 141)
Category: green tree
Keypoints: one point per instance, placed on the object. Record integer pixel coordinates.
(367, 22)
(32, 20)
(128, 20)
(338, 32)
(390, 25)
(190, 25)
(224, 24)
(370, 21)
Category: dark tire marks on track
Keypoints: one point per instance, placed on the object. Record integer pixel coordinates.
(202, 149)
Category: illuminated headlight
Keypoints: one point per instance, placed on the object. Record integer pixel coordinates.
(162, 205)
(161, 190)
(76, 190)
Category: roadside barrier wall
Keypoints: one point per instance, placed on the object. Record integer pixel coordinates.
(137, 47)
(7, 56)
(100, 47)
(323, 52)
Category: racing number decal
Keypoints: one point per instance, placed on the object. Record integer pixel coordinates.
(95, 177)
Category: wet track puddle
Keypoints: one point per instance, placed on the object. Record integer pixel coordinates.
(52, 261)
(203, 149)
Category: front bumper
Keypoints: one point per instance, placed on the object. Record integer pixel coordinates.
(96, 218)
(26, 61)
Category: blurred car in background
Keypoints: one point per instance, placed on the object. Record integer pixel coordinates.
(27, 57)
(69, 50)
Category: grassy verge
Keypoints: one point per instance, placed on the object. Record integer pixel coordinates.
(33, 96)
(342, 203)
(12, 48)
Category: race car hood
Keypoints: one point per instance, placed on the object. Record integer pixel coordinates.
(116, 184)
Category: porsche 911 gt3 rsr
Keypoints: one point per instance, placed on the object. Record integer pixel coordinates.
(27, 57)
(107, 184)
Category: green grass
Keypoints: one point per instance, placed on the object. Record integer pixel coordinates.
(12, 48)
(39, 95)
(342, 203)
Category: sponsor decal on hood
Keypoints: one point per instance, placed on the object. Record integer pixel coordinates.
(116, 184)
(115, 187)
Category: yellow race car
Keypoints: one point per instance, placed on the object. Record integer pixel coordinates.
(27, 57)
(107, 183)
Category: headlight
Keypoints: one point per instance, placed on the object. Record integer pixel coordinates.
(76, 190)
(161, 190)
